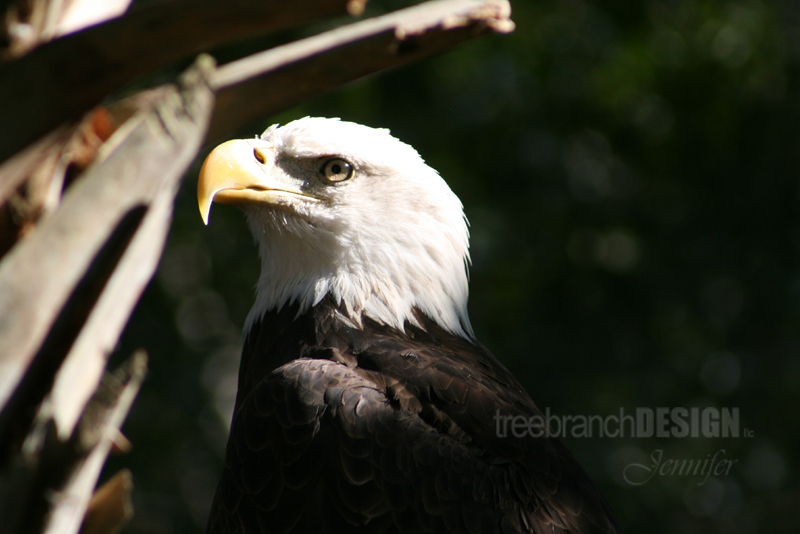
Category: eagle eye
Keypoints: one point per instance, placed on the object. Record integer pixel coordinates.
(337, 170)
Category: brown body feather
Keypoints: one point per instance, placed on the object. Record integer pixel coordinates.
(372, 429)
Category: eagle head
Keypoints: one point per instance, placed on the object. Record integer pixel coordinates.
(343, 209)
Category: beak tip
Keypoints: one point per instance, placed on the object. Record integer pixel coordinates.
(204, 213)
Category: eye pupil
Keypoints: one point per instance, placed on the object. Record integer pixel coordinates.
(336, 168)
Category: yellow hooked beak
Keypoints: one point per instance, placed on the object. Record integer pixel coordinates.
(237, 172)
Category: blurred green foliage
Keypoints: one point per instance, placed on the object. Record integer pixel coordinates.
(631, 174)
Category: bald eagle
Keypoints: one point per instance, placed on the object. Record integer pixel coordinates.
(365, 404)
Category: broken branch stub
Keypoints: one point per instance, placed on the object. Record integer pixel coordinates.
(101, 423)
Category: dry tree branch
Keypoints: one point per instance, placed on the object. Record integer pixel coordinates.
(278, 78)
(60, 272)
(62, 79)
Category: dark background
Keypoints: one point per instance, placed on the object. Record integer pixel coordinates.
(630, 172)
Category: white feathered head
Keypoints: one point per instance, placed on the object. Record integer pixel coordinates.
(343, 209)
